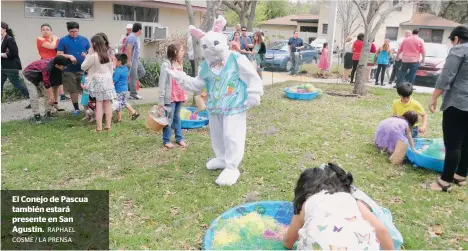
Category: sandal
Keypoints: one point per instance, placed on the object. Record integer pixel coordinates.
(169, 145)
(97, 131)
(444, 188)
(108, 129)
(135, 115)
(182, 144)
(460, 182)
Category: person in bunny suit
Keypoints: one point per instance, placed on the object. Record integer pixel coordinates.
(233, 86)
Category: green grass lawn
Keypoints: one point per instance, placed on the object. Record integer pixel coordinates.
(165, 199)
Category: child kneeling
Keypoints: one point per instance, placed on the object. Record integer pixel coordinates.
(120, 78)
(328, 217)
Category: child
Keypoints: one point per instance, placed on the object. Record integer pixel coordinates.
(406, 103)
(100, 86)
(328, 217)
(393, 135)
(171, 94)
(323, 62)
(49, 72)
(121, 86)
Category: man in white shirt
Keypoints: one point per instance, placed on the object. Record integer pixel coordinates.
(191, 55)
(396, 67)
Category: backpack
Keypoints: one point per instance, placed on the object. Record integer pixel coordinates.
(383, 215)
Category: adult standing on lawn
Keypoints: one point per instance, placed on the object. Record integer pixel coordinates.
(453, 85)
(47, 49)
(348, 58)
(11, 63)
(73, 46)
(357, 49)
(295, 45)
(137, 71)
(191, 55)
(396, 67)
(412, 49)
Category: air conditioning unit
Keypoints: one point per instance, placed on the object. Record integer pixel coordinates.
(160, 33)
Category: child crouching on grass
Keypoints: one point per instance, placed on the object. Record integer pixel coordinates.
(328, 217)
(120, 78)
(407, 103)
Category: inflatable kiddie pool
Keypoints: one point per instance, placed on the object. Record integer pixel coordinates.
(252, 226)
(429, 154)
(301, 92)
(187, 123)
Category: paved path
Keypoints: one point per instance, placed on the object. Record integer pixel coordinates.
(16, 111)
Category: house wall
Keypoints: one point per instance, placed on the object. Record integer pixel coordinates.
(393, 20)
(445, 39)
(28, 29)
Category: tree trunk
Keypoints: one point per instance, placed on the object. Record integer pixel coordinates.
(253, 7)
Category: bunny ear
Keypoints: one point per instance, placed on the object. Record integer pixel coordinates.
(196, 32)
(219, 24)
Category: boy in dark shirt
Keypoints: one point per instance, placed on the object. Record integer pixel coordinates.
(49, 72)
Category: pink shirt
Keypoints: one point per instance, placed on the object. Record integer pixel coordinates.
(177, 94)
(411, 48)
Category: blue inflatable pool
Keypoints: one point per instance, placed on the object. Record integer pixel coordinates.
(428, 154)
(279, 212)
(194, 124)
(300, 96)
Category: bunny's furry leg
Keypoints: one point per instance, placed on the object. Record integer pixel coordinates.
(234, 129)
(217, 142)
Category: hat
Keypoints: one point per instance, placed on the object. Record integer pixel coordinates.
(129, 26)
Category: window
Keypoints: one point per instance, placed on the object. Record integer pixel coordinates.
(309, 29)
(391, 33)
(395, 2)
(135, 13)
(59, 9)
(431, 36)
(324, 28)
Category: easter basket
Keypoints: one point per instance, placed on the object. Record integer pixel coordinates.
(155, 120)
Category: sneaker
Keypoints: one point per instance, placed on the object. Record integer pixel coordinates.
(49, 116)
(28, 107)
(64, 98)
(135, 96)
(37, 119)
(76, 112)
(135, 116)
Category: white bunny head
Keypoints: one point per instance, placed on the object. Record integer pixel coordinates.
(213, 43)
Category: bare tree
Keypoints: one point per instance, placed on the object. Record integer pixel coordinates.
(376, 10)
(349, 18)
(245, 9)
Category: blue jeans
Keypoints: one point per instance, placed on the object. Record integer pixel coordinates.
(13, 76)
(411, 76)
(415, 132)
(175, 124)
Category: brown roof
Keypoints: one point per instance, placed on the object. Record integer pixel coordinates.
(429, 20)
(290, 20)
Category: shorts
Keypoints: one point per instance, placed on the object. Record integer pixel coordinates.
(72, 82)
(348, 61)
(121, 101)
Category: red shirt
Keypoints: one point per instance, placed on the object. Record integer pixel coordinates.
(373, 49)
(41, 66)
(44, 52)
(412, 48)
(177, 94)
(357, 49)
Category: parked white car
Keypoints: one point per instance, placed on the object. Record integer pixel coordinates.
(318, 45)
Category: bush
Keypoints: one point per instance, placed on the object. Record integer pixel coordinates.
(152, 68)
(10, 93)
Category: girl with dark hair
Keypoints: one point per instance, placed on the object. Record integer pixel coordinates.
(235, 43)
(11, 63)
(328, 217)
(100, 83)
(453, 85)
(357, 49)
(259, 51)
(394, 131)
(171, 95)
(110, 51)
(323, 62)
